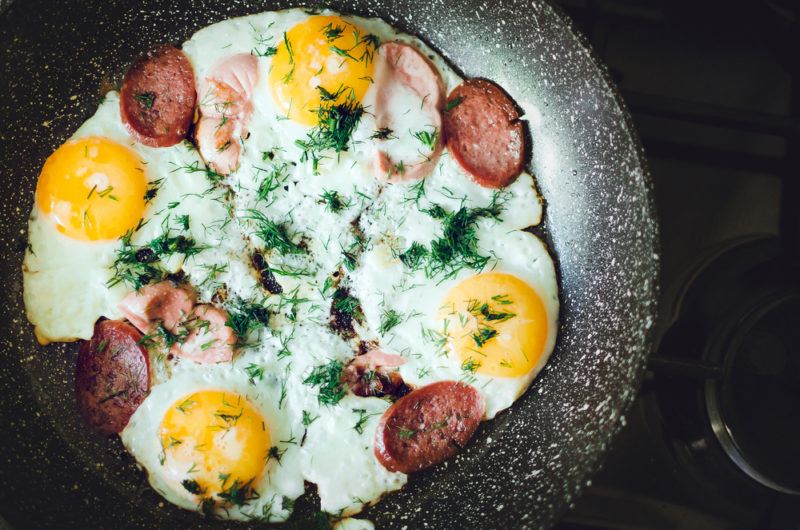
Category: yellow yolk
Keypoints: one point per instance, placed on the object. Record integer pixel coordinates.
(496, 324)
(215, 443)
(321, 52)
(93, 189)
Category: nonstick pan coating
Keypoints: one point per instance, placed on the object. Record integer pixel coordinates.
(521, 470)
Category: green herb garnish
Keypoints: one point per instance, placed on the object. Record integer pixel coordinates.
(146, 99)
(328, 378)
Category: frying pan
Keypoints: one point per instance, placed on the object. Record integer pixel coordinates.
(522, 469)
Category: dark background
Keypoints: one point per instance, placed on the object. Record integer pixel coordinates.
(712, 87)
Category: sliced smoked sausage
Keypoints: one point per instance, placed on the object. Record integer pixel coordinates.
(158, 96)
(484, 133)
(427, 426)
(112, 376)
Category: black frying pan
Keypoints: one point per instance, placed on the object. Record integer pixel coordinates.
(522, 469)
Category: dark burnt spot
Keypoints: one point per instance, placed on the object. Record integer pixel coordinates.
(220, 296)
(345, 309)
(177, 278)
(146, 255)
(366, 345)
(265, 275)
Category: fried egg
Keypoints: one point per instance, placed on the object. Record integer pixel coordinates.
(97, 187)
(494, 329)
(210, 440)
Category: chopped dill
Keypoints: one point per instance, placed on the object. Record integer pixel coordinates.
(488, 314)
(308, 419)
(453, 103)
(333, 201)
(195, 167)
(275, 454)
(137, 266)
(245, 317)
(337, 121)
(384, 133)
(275, 178)
(349, 305)
(290, 272)
(274, 235)
(254, 372)
(152, 190)
(405, 434)
(457, 248)
(363, 417)
(414, 256)
(327, 95)
(470, 365)
(341, 52)
(290, 52)
(268, 51)
(146, 99)
(428, 138)
(328, 378)
(332, 32)
(239, 493)
(389, 319)
(417, 192)
(351, 254)
(289, 49)
(483, 335)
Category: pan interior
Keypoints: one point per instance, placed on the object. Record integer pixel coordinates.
(524, 468)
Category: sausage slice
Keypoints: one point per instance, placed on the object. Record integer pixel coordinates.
(428, 426)
(112, 376)
(484, 133)
(158, 96)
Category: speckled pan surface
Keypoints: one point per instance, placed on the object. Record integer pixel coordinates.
(524, 468)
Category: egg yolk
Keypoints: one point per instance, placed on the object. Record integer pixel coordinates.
(323, 60)
(215, 445)
(92, 189)
(496, 324)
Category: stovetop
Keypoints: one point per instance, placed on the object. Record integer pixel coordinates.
(711, 88)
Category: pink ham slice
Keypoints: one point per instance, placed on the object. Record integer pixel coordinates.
(159, 302)
(376, 358)
(225, 97)
(375, 374)
(209, 338)
(403, 76)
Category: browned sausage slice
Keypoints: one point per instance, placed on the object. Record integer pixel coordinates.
(112, 376)
(484, 133)
(158, 96)
(427, 426)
